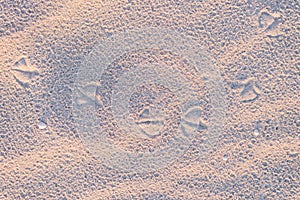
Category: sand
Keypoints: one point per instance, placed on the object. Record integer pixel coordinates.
(149, 100)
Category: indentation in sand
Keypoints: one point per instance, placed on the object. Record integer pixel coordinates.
(23, 72)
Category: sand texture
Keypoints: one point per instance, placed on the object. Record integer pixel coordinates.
(153, 99)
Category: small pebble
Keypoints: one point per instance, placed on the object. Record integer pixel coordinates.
(42, 125)
(256, 132)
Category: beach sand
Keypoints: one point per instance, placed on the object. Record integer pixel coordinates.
(154, 99)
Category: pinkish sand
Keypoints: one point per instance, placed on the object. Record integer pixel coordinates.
(167, 99)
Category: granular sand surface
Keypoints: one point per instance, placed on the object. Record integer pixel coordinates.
(154, 99)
